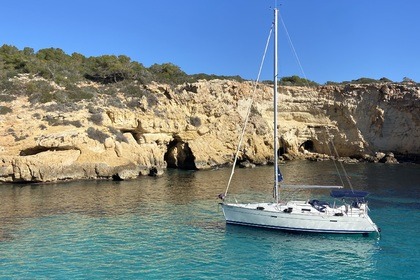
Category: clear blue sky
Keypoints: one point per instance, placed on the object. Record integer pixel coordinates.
(336, 40)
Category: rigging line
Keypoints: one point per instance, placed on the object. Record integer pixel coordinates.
(342, 167)
(249, 110)
(307, 84)
(329, 149)
(294, 50)
(337, 155)
(306, 81)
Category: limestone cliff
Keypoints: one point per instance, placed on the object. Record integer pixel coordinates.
(196, 126)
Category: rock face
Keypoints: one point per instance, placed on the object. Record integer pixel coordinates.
(196, 126)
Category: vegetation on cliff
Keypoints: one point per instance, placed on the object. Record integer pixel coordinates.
(52, 75)
(53, 64)
(56, 76)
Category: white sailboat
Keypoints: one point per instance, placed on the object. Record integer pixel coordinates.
(306, 216)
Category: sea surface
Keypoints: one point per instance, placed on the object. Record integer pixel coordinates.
(172, 227)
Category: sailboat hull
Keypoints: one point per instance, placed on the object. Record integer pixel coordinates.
(270, 215)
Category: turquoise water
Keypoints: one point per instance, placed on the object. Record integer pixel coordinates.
(171, 227)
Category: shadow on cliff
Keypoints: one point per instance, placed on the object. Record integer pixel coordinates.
(179, 155)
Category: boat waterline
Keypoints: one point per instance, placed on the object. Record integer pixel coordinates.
(270, 215)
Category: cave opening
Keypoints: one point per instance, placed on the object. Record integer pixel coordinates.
(282, 148)
(281, 151)
(38, 149)
(308, 145)
(120, 135)
(179, 155)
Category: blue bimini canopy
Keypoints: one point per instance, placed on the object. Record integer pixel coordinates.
(348, 193)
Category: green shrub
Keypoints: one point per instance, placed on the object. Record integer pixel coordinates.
(152, 100)
(296, 81)
(110, 90)
(38, 86)
(74, 94)
(385, 80)
(202, 76)
(11, 88)
(133, 103)
(61, 121)
(43, 97)
(5, 110)
(17, 138)
(168, 73)
(96, 118)
(7, 98)
(114, 101)
(96, 134)
(132, 90)
(119, 136)
(364, 81)
(138, 92)
(73, 123)
(81, 93)
(94, 110)
(195, 121)
(61, 107)
(37, 116)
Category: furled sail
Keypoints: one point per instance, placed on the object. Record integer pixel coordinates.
(279, 175)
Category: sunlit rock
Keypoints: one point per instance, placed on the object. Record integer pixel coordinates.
(197, 126)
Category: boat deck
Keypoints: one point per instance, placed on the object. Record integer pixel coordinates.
(309, 208)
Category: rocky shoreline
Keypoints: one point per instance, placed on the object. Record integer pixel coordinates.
(196, 126)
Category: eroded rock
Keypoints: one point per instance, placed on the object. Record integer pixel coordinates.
(196, 126)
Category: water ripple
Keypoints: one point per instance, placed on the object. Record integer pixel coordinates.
(171, 227)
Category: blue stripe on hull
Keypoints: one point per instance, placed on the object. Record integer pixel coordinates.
(297, 229)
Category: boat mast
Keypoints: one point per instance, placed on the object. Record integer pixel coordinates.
(276, 159)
